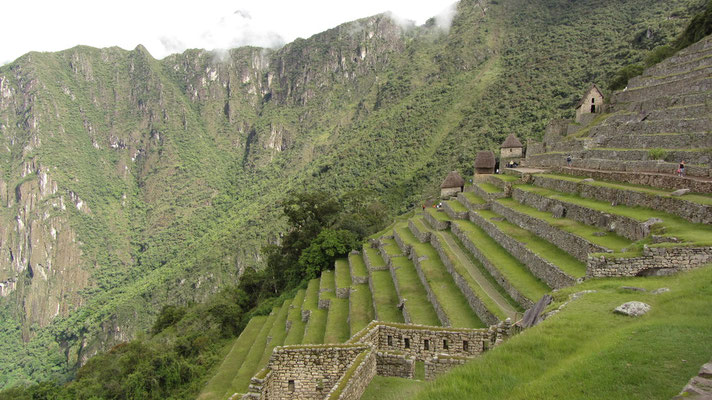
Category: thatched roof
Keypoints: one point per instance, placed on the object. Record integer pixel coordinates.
(511, 142)
(453, 180)
(485, 159)
(585, 96)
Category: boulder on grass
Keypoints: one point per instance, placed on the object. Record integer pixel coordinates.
(632, 309)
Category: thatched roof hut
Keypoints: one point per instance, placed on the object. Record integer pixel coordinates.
(511, 142)
(485, 162)
(453, 180)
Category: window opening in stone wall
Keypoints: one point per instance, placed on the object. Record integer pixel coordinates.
(445, 346)
(407, 343)
(426, 344)
(290, 385)
(390, 340)
(465, 345)
(593, 100)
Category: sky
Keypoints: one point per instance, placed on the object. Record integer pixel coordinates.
(167, 27)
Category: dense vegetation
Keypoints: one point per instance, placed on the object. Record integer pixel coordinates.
(186, 177)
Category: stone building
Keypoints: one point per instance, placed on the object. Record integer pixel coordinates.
(511, 148)
(453, 184)
(591, 103)
(485, 162)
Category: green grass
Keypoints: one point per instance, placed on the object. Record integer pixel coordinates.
(296, 330)
(343, 275)
(471, 282)
(391, 247)
(489, 188)
(386, 298)
(392, 388)
(219, 385)
(610, 241)
(451, 300)
(541, 247)
(337, 327)
(505, 177)
(361, 311)
(511, 269)
(672, 225)
(438, 215)
(420, 224)
(314, 331)
(374, 257)
(411, 289)
(327, 281)
(278, 333)
(249, 367)
(474, 198)
(405, 234)
(357, 265)
(456, 206)
(596, 354)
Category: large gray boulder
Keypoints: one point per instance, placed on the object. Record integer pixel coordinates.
(632, 308)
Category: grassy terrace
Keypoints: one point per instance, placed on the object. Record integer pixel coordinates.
(390, 246)
(361, 310)
(385, 297)
(489, 188)
(466, 268)
(220, 385)
(405, 234)
(327, 281)
(420, 224)
(410, 287)
(314, 331)
(249, 366)
(473, 198)
(337, 327)
(374, 256)
(565, 261)
(443, 286)
(586, 337)
(358, 267)
(610, 241)
(278, 333)
(672, 225)
(296, 330)
(456, 206)
(343, 275)
(511, 269)
(505, 177)
(699, 198)
(439, 215)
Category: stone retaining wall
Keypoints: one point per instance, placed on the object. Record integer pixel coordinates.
(475, 302)
(471, 206)
(492, 269)
(357, 280)
(570, 243)
(439, 365)
(369, 263)
(421, 236)
(435, 223)
(624, 226)
(542, 269)
(359, 381)
(384, 254)
(452, 213)
(444, 320)
(401, 299)
(690, 211)
(395, 364)
(654, 261)
(486, 195)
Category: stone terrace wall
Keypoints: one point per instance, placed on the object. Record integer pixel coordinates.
(401, 300)
(395, 364)
(692, 212)
(655, 260)
(670, 182)
(475, 303)
(542, 269)
(492, 269)
(314, 370)
(441, 364)
(431, 296)
(421, 236)
(357, 280)
(486, 195)
(359, 380)
(570, 243)
(436, 224)
(624, 226)
(452, 213)
(471, 206)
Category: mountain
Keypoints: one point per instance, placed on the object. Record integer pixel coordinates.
(129, 183)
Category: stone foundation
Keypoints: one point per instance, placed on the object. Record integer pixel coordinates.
(654, 261)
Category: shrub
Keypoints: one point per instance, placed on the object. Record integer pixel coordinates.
(657, 154)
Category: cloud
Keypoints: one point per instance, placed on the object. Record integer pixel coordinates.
(172, 44)
(444, 19)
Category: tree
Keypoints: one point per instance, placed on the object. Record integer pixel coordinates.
(324, 249)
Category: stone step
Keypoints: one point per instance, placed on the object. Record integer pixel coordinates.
(671, 113)
(552, 265)
(670, 76)
(645, 127)
(678, 87)
(679, 141)
(692, 207)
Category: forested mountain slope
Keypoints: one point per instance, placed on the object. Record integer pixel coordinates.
(129, 182)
